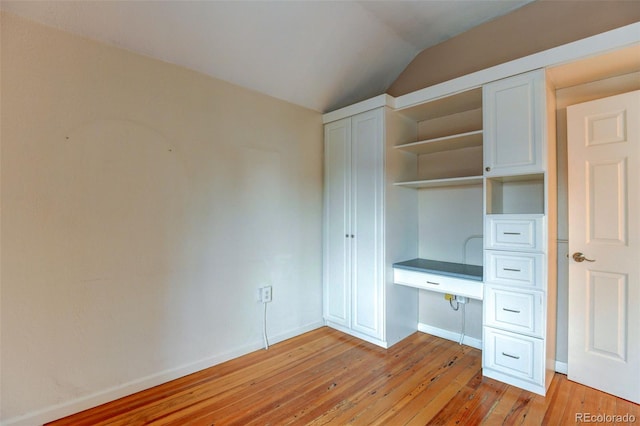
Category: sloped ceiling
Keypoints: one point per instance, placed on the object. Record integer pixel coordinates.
(318, 54)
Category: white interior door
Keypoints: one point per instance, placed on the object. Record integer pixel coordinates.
(604, 244)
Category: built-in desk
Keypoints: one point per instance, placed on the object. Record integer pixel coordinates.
(442, 277)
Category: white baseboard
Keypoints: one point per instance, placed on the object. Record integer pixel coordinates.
(450, 335)
(58, 411)
(562, 367)
(360, 336)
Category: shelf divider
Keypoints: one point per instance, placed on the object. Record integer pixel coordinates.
(437, 183)
(446, 143)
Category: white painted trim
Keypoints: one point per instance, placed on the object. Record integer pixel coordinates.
(590, 46)
(55, 412)
(361, 336)
(366, 105)
(449, 335)
(510, 380)
(562, 367)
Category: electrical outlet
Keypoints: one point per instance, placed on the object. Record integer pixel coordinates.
(266, 294)
(462, 299)
(448, 297)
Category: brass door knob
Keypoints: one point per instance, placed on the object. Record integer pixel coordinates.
(579, 257)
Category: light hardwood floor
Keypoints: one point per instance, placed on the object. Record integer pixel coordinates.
(325, 377)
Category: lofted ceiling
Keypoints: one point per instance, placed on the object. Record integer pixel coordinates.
(318, 54)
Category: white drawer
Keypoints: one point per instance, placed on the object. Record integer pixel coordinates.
(518, 269)
(514, 232)
(520, 310)
(518, 356)
(438, 283)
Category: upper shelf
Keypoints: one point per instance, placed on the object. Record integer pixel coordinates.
(438, 183)
(446, 105)
(446, 143)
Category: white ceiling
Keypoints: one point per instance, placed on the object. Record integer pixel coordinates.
(319, 54)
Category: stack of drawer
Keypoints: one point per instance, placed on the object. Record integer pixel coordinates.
(515, 300)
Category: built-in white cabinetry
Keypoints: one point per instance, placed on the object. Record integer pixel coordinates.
(353, 219)
(458, 284)
(446, 148)
(519, 270)
(447, 144)
(358, 295)
(515, 232)
(515, 269)
(382, 164)
(515, 310)
(514, 125)
(434, 145)
(513, 358)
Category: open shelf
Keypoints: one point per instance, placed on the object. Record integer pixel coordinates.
(522, 194)
(446, 143)
(446, 105)
(437, 183)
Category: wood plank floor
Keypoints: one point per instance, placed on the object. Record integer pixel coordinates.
(325, 377)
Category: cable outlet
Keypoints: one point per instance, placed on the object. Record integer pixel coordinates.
(266, 294)
(448, 297)
(462, 299)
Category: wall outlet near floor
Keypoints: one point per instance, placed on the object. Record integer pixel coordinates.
(266, 294)
(462, 299)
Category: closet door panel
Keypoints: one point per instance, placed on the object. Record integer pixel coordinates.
(367, 167)
(337, 216)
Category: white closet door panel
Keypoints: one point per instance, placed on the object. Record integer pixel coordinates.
(337, 240)
(367, 167)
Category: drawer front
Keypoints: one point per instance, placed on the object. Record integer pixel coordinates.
(439, 283)
(518, 269)
(514, 233)
(519, 311)
(518, 356)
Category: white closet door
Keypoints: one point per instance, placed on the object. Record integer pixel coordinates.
(367, 166)
(337, 230)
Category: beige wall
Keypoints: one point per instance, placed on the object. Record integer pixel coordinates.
(449, 224)
(535, 27)
(142, 207)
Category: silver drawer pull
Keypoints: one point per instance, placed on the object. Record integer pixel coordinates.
(511, 269)
(511, 310)
(512, 233)
(432, 283)
(510, 356)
